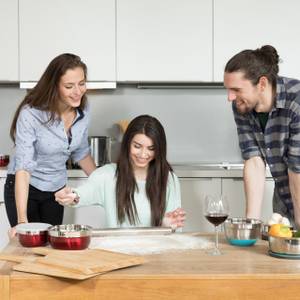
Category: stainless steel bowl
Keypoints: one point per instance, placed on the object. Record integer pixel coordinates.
(265, 232)
(283, 245)
(70, 236)
(242, 231)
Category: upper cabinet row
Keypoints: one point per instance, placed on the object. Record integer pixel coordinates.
(9, 40)
(144, 40)
(49, 28)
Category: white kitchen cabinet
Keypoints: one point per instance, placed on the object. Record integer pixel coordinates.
(2, 182)
(9, 40)
(193, 193)
(233, 190)
(164, 40)
(87, 215)
(49, 28)
(250, 24)
(4, 226)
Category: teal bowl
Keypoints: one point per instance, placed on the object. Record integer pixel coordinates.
(242, 243)
(242, 232)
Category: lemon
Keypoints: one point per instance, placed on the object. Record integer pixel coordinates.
(280, 230)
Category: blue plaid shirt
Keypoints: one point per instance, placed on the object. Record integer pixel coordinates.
(279, 144)
(42, 147)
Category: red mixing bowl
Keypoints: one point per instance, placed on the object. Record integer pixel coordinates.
(4, 160)
(70, 236)
(33, 234)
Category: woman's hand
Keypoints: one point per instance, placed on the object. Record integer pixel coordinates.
(12, 232)
(175, 218)
(65, 196)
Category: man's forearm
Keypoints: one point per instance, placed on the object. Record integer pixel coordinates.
(254, 183)
(294, 184)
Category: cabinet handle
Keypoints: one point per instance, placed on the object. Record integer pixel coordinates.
(238, 179)
(196, 178)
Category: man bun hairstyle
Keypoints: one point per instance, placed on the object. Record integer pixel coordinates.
(255, 64)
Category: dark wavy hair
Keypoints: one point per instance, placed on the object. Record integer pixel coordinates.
(157, 176)
(255, 64)
(45, 95)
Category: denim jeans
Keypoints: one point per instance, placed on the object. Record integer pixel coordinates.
(41, 206)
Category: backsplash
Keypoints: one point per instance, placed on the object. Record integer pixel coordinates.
(198, 122)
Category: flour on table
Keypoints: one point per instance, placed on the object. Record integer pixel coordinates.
(145, 244)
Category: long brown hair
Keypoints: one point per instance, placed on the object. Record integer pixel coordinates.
(45, 95)
(157, 175)
(255, 64)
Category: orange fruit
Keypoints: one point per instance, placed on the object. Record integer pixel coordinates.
(280, 230)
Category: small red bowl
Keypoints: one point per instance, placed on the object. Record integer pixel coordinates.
(69, 243)
(4, 160)
(33, 234)
(33, 240)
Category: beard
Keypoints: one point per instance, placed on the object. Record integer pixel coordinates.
(244, 108)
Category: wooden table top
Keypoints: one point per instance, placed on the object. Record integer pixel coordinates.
(238, 268)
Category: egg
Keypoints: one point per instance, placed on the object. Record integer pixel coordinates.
(271, 222)
(285, 221)
(276, 217)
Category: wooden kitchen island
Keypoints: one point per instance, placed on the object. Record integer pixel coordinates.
(241, 273)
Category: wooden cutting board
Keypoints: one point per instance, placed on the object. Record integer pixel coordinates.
(30, 265)
(73, 264)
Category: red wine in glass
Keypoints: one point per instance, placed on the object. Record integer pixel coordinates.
(216, 212)
(216, 218)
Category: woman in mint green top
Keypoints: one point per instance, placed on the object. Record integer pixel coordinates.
(141, 189)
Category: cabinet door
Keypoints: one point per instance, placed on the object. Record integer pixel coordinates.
(193, 193)
(168, 40)
(86, 215)
(9, 40)
(85, 28)
(233, 189)
(250, 24)
(4, 226)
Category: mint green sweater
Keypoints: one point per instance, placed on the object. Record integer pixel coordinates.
(100, 189)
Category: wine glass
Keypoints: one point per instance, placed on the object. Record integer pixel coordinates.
(216, 212)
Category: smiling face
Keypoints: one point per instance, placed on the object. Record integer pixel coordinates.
(141, 151)
(72, 87)
(242, 91)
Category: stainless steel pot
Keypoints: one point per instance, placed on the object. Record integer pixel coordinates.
(78, 237)
(283, 245)
(100, 149)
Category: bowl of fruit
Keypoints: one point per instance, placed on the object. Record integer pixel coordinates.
(284, 242)
(275, 219)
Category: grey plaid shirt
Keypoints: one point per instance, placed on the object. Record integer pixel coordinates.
(279, 145)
